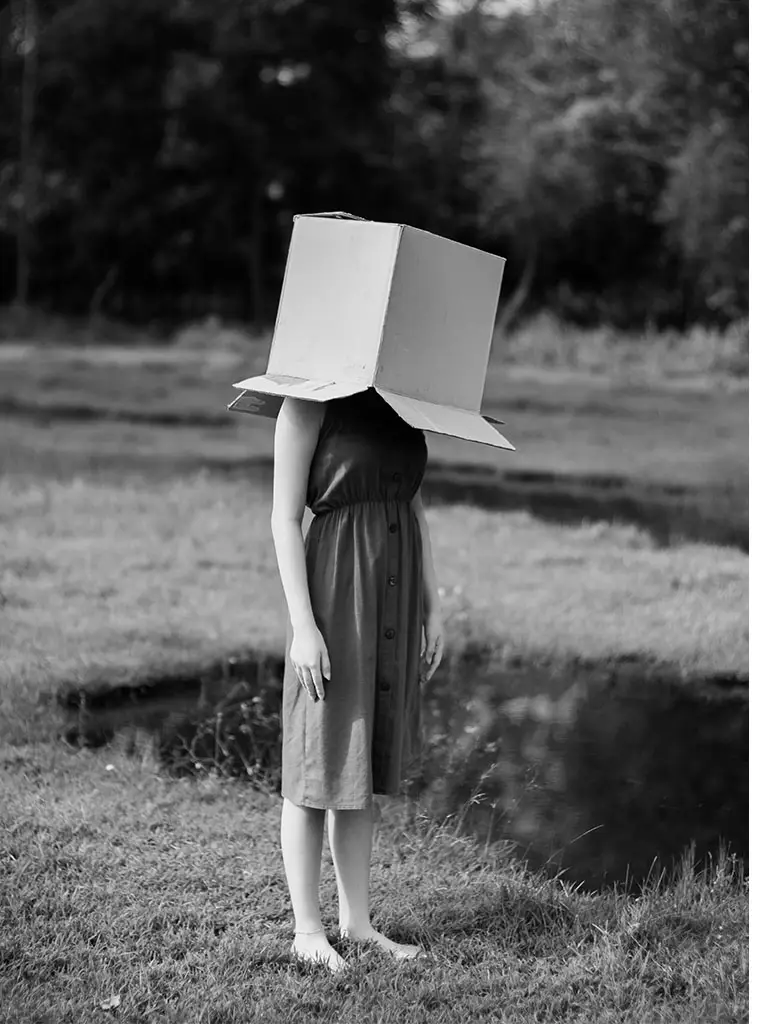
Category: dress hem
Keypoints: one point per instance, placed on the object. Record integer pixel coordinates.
(317, 805)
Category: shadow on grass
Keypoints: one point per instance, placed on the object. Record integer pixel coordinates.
(668, 512)
(717, 514)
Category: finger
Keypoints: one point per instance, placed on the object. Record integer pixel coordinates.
(316, 676)
(423, 645)
(425, 665)
(435, 663)
(297, 670)
(306, 682)
(437, 648)
(325, 664)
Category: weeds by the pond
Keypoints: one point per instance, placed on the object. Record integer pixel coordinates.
(238, 739)
(169, 895)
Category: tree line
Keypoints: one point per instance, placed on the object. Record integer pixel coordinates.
(154, 152)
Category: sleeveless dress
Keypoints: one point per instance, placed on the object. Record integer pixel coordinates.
(364, 568)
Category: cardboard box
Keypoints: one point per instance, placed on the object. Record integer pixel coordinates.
(369, 304)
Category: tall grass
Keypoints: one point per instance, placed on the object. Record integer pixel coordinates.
(542, 341)
(545, 341)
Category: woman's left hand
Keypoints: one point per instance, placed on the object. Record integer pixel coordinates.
(432, 645)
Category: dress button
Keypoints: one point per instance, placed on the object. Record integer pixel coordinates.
(384, 686)
(393, 527)
(389, 633)
(397, 477)
(392, 581)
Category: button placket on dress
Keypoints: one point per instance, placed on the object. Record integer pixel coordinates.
(390, 591)
(386, 670)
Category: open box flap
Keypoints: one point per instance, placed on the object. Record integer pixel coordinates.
(443, 419)
(263, 396)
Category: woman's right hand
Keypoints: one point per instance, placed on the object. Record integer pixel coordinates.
(309, 657)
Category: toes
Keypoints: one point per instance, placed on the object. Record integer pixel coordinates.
(407, 952)
(398, 950)
(326, 956)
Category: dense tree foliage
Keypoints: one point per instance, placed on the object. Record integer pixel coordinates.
(153, 152)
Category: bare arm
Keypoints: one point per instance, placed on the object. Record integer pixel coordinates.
(433, 624)
(431, 596)
(296, 433)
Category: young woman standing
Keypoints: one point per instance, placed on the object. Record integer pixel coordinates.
(365, 629)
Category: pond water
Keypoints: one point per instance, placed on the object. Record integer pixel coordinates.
(604, 773)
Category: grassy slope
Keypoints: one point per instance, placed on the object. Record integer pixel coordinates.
(170, 896)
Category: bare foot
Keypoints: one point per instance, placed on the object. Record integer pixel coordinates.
(397, 949)
(314, 947)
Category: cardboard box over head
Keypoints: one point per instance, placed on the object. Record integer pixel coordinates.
(368, 304)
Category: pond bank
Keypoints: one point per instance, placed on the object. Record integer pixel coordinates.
(600, 770)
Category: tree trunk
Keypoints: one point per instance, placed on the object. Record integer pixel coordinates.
(255, 257)
(26, 160)
(97, 299)
(510, 310)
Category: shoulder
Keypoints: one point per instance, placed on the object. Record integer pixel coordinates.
(298, 415)
(298, 410)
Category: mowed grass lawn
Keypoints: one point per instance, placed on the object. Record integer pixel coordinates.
(163, 900)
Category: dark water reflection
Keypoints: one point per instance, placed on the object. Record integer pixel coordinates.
(602, 772)
(608, 778)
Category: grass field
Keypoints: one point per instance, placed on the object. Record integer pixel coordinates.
(560, 422)
(166, 898)
(118, 582)
(134, 543)
(107, 450)
(666, 453)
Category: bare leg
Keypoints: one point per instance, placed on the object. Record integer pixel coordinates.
(351, 838)
(301, 836)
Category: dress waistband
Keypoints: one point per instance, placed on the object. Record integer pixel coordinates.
(384, 502)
